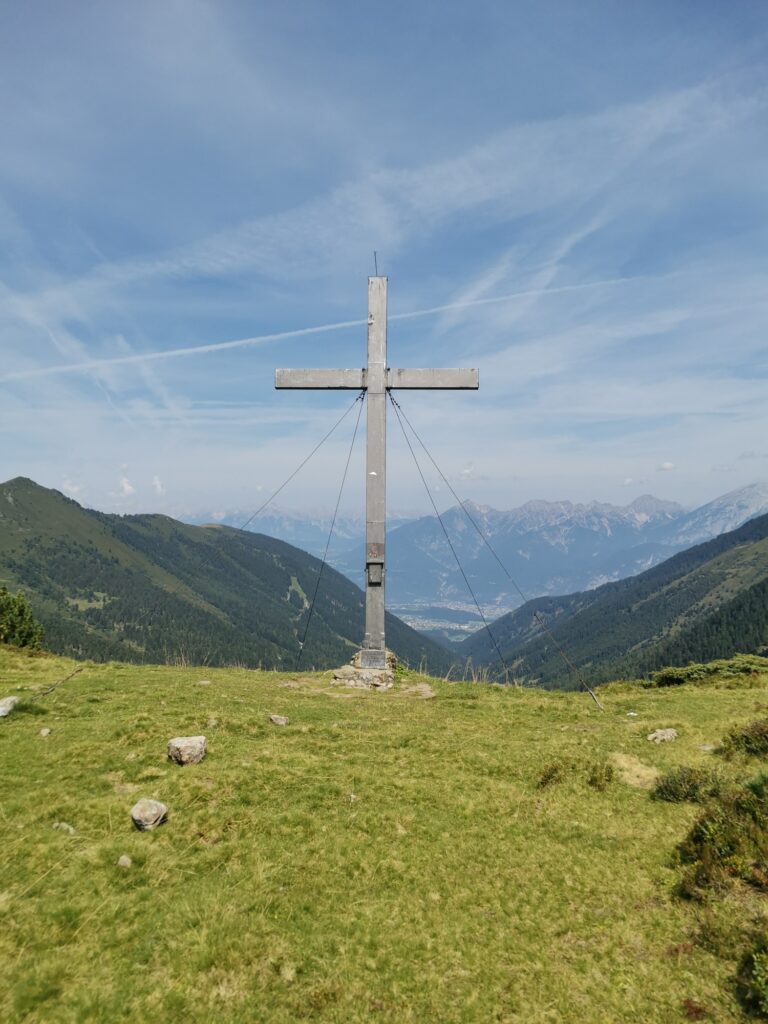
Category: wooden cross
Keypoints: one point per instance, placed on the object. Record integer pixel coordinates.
(377, 379)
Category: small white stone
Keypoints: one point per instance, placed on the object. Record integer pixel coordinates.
(187, 749)
(64, 826)
(148, 814)
(278, 720)
(124, 861)
(7, 704)
(204, 682)
(662, 736)
(631, 714)
(45, 732)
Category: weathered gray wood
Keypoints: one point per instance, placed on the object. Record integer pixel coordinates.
(444, 380)
(376, 468)
(377, 379)
(330, 380)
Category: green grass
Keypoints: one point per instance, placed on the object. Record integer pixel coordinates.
(385, 857)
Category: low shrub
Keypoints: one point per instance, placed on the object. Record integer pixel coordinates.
(687, 784)
(600, 775)
(730, 840)
(751, 739)
(551, 773)
(752, 977)
(739, 668)
(678, 676)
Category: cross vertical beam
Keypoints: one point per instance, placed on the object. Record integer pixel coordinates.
(373, 654)
(377, 379)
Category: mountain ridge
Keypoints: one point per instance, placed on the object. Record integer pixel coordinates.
(548, 547)
(148, 588)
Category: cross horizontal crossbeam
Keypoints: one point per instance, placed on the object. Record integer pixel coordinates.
(355, 380)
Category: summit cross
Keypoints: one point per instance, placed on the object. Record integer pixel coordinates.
(376, 379)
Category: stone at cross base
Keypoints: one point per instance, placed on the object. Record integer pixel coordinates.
(354, 674)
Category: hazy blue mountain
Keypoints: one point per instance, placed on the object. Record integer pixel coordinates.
(547, 547)
(709, 601)
(306, 530)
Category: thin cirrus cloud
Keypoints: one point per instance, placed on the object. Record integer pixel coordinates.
(598, 262)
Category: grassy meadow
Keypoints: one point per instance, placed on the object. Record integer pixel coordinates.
(385, 857)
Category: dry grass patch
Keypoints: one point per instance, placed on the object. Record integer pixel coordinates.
(633, 771)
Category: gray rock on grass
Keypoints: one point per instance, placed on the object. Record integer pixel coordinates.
(278, 719)
(662, 736)
(7, 704)
(124, 861)
(187, 749)
(64, 826)
(148, 814)
(45, 732)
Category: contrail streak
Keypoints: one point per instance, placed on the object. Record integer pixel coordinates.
(261, 339)
(173, 353)
(517, 295)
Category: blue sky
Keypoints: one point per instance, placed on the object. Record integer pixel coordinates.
(584, 186)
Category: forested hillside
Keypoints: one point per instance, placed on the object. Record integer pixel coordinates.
(149, 589)
(710, 601)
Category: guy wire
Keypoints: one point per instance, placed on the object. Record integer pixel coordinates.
(539, 618)
(302, 464)
(359, 398)
(448, 539)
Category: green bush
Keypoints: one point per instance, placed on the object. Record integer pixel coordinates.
(677, 676)
(753, 977)
(551, 773)
(600, 775)
(739, 667)
(687, 784)
(730, 840)
(751, 739)
(18, 625)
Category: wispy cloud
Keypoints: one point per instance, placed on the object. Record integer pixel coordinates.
(599, 262)
(139, 358)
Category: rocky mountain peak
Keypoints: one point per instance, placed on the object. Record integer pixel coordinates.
(652, 506)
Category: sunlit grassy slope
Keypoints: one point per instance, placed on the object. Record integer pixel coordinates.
(384, 857)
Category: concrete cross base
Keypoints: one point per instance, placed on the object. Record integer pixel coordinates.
(365, 676)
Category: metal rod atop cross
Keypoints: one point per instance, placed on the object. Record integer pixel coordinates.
(377, 379)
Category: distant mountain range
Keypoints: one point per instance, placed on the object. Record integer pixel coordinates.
(709, 601)
(146, 588)
(548, 548)
(551, 547)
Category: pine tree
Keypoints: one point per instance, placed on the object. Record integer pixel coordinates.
(18, 626)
